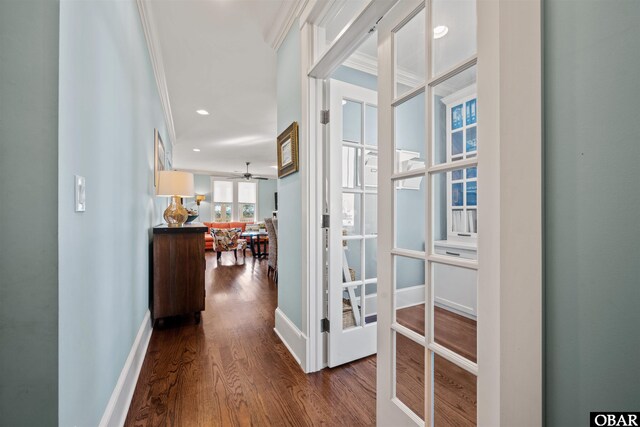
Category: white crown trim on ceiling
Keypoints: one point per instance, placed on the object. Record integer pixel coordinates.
(150, 35)
(286, 17)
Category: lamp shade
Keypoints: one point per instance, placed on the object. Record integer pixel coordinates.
(175, 183)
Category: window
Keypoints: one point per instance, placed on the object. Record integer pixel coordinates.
(455, 131)
(234, 201)
(223, 201)
(247, 201)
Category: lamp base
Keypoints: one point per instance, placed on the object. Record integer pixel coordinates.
(175, 214)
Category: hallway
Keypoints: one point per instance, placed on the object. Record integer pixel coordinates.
(232, 369)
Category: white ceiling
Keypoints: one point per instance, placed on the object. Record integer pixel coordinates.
(217, 56)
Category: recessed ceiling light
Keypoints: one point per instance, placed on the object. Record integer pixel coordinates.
(202, 112)
(440, 31)
(197, 150)
(344, 102)
(275, 166)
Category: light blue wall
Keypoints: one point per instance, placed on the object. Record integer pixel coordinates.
(108, 109)
(266, 198)
(289, 188)
(592, 206)
(356, 77)
(410, 208)
(202, 185)
(28, 197)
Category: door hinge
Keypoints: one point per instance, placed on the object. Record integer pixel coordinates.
(325, 220)
(324, 117)
(324, 325)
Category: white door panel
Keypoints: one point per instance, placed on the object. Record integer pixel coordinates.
(352, 228)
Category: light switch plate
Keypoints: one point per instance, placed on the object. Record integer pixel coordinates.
(80, 193)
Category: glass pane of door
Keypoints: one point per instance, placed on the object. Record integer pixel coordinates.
(454, 33)
(410, 54)
(410, 373)
(455, 398)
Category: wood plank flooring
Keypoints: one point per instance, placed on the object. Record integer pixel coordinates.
(233, 370)
(454, 394)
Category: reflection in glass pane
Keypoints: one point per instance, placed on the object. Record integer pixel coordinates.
(351, 121)
(371, 125)
(351, 208)
(454, 395)
(472, 191)
(471, 172)
(410, 293)
(410, 373)
(371, 169)
(351, 307)
(458, 42)
(410, 54)
(472, 140)
(351, 167)
(370, 258)
(456, 117)
(371, 214)
(454, 204)
(371, 303)
(457, 146)
(410, 134)
(410, 214)
(472, 220)
(471, 112)
(457, 221)
(456, 194)
(351, 260)
(455, 308)
(454, 108)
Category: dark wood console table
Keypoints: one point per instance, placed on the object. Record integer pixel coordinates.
(178, 271)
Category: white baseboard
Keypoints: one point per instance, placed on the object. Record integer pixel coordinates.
(118, 406)
(459, 309)
(405, 297)
(292, 338)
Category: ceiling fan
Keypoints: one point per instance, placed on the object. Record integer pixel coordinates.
(248, 176)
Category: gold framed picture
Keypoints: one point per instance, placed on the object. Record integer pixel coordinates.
(288, 151)
(159, 161)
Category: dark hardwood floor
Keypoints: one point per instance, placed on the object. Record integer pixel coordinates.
(233, 370)
(454, 393)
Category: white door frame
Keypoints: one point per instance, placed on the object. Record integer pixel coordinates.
(313, 70)
(509, 72)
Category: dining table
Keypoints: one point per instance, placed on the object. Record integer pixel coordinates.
(254, 239)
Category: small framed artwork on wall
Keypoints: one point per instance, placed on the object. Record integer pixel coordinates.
(159, 161)
(288, 151)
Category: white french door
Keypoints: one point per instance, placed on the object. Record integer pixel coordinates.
(428, 214)
(352, 274)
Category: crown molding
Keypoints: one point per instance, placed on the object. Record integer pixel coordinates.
(368, 64)
(287, 15)
(155, 53)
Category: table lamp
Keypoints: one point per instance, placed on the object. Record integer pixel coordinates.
(175, 184)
